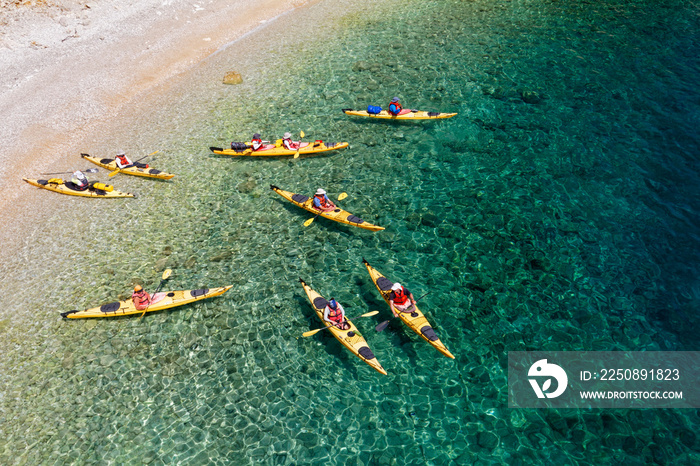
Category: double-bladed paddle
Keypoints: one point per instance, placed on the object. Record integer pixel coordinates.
(166, 274)
(381, 326)
(311, 220)
(89, 170)
(301, 136)
(314, 332)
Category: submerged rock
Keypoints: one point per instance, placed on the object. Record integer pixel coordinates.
(530, 97)
(233, 77)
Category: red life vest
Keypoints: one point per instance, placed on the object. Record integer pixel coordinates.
(400, 296)
(257, 141)
(398, 108)
(141, 300)
(322, 200)
(335, 315)
(123, 160)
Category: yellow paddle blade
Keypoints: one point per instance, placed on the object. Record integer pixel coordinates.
(154, 152)
(369, 314)
(342, 196)
(114, 173)
(312, 332)
(296, 156)
(309, 221)
(167, 273)
(302, 134)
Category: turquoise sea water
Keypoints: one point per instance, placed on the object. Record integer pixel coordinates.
(557, 211)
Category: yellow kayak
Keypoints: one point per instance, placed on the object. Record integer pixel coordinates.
(111, 165)
(339, 215)
(69, 188)
(404, 115)
(271, 150)
(350, 338)
(415, 320)
(126, 307)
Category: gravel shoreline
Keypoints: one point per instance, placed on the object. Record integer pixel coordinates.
(71, 67)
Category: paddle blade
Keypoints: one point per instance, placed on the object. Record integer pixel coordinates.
(91, 170)
(370, 314)
(302, 134)
(114, 173)
(167, 273)
(296, 156)
(342, 196)
(309, 221)
(311, 332)
(154, 152)
(382, 326)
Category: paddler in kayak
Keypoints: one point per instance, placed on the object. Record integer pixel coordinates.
(334, 314)
(321, 201)
(142, 299)
(288, 143)
(401, 300)
(80, 181)
(256, 142)
(395, 107)
(123, 161)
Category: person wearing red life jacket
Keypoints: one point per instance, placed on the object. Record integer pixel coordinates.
(142, 299)
(334, 314)
(321, 201)
(401, 300)
(123, 161)
(256, 142)
(288, 143)
(395, 107)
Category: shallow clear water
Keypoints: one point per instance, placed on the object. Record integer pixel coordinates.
(557, 211)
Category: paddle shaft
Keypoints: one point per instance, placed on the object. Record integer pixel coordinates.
(384, 324)
(366, 314)
(166, 275)
(311, 220)
(89, 170)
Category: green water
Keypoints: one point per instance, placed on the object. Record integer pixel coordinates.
(555, 212)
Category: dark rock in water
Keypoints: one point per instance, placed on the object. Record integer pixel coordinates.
(429, 219)
(360, 66)
(232, 77)
(221, 256)
(530, 97)
(160, 264)
(309, 439)
(487, 440)
(246, 187)
(191, 262)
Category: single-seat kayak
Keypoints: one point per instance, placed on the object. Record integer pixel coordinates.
(111, 165)
(66, 187)
(126, 307)
(415, 320)
(405, 114)
(339, 215)
(272, 150)
(350, 338)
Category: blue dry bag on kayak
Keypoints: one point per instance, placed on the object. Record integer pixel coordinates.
(373, 109)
